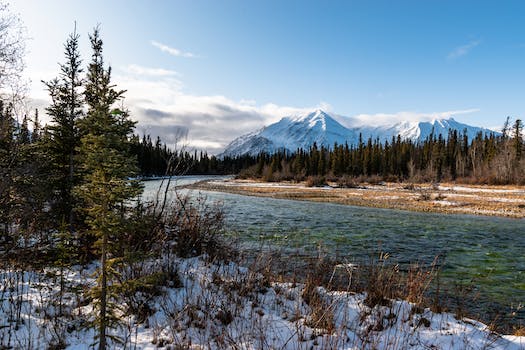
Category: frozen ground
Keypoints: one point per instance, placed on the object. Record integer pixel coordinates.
(224, 306)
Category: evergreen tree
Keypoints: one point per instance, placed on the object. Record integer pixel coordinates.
(23, 134)
(21, 186)
(7, 159)
(35, 135)
(107, 166)
(65, 111)
(518, 138)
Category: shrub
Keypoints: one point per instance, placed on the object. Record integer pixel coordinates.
(347, 182)
(195, 227)
(383, 281)
(316, 181)
(321, 315)
(248, 173)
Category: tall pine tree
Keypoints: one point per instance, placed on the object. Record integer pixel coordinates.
(7, 161)
(65, 111)
(107, 166)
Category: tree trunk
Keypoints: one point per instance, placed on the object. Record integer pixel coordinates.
(103, 294)
(70, 189)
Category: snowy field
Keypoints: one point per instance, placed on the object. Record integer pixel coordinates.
(223, 306)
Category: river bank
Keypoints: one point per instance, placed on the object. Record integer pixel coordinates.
(504, 201)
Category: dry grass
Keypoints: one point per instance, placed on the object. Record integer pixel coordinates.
(520, 332)
(506, 201)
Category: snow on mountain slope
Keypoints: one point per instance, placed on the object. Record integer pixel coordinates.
(301, 131)
(292, 133)
(420, 130)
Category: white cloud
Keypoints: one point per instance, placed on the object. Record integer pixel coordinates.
(162, 108)
(147, 71)
(172, 51)
(463, 50)
(205, 144)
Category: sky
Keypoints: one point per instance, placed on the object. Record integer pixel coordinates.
(220, 69)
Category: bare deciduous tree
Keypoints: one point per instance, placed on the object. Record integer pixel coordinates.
(12, 53)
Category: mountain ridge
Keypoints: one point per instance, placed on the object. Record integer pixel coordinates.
(302, 130)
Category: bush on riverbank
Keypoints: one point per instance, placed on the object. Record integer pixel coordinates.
(189, 287)
(219, 305)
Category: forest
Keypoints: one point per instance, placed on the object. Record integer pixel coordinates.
(71, 196)
(487, 159)
(492, 158)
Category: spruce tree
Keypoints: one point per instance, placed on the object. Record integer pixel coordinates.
(35, 135)
(107, 167)
(518, 139)
(65, 111)
(7, 160)
(21, 186)
(23, 134)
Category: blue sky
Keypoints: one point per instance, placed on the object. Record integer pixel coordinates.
(222, 68)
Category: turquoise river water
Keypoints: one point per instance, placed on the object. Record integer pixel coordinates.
(485, 255)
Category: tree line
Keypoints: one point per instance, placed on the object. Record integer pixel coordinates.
(488, 158)
(491, 158)
(157, 159)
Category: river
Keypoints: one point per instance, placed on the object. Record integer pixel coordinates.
(486, 254)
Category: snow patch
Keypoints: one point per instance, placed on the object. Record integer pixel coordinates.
(221, 305)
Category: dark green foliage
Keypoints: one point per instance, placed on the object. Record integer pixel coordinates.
(7, 162)
(22, 189)
(64, 137)
(518, 139)
(485, 159)
(106, 168)
(159, 160)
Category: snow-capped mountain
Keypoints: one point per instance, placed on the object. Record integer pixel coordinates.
(301, 131)
(420, 130)
(292, 133)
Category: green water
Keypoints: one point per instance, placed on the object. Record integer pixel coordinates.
(482, 257)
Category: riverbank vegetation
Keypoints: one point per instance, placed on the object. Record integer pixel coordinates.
(487, 159)
(492, 158)
(85, 262)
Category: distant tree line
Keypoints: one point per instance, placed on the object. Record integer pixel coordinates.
(157, 159)
(487, 159)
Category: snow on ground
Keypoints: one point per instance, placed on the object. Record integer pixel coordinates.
(224, 306)
(236, 183)
(445, 202)
(477, 189)
(486, 198)
(392, 198)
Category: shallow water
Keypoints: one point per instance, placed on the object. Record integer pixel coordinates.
(485, 253)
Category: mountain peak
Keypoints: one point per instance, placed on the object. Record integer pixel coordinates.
(308, 116)
(302, 130)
